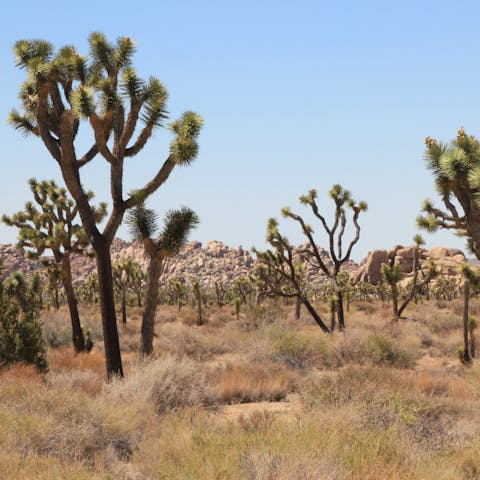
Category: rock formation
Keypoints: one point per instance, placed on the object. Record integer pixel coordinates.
(216, 261)
(447, 261)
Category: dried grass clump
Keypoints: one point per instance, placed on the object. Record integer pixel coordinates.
(169, 383)
(242, 383)
(180, 340)
(64, 360)
(85, 381)
(62, 423)
(261, 465)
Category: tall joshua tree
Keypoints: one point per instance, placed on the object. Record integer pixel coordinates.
(456, 171)
(338, 253)
(122, 111)
(50, 225)
(177, 226)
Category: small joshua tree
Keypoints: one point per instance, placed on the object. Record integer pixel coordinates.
(338, 254)
(279, 274)
(123, 271)
(177, 226)
(392, 275)
(50, 224)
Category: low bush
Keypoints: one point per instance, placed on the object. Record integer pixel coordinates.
(169, 383)
(384, 350)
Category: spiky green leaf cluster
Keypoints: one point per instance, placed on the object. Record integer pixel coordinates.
(142, 222)
(471, 274)
(178, 225)
(391, 273)
(184, 148)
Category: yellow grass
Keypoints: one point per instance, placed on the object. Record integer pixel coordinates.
(355, 416)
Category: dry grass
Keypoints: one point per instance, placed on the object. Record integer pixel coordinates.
(378, 401)
(241, 383)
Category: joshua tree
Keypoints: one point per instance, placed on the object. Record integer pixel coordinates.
(137, 282)
(471, 281)
(279, 274)
(123, 271)
(392, 275)
(243, 288)
(49, 224)
(337, 253)
(104, 89)
(456, 171)
(177, 288)
(177, 226)
(197, 293)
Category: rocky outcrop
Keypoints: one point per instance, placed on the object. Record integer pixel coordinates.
(369, 270)
(216, 261)
(447, 261)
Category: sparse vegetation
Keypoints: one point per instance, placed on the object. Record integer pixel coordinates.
(263, 401)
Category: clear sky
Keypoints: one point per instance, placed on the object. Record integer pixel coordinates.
(295, 95)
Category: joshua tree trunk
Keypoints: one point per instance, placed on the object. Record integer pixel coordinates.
(332, 320)
(77, 334)
(124, 304)
(314, 314)
(466, 300)
(340, 314)
(298, 305)
(56, 299)
(151, 299)
(198, 296)
(107, 307)
(396, 314)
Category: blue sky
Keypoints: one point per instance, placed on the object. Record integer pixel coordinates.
(294, 96)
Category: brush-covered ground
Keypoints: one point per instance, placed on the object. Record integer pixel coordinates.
(261, 397)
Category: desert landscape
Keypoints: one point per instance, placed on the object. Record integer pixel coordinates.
(253, 392)
(190, 290)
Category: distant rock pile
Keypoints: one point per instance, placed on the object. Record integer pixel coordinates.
(447, 261)
(216, 261)
(14, 259)
(213, 262)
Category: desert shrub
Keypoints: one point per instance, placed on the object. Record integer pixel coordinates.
(349, 348)
(169, 383)
(444, 323)
(20, 335)
(56, 421)
(426, 423)
(384, 350)
(294, 349)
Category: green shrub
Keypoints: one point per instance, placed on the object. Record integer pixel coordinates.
(20, 334)
(383, 350)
